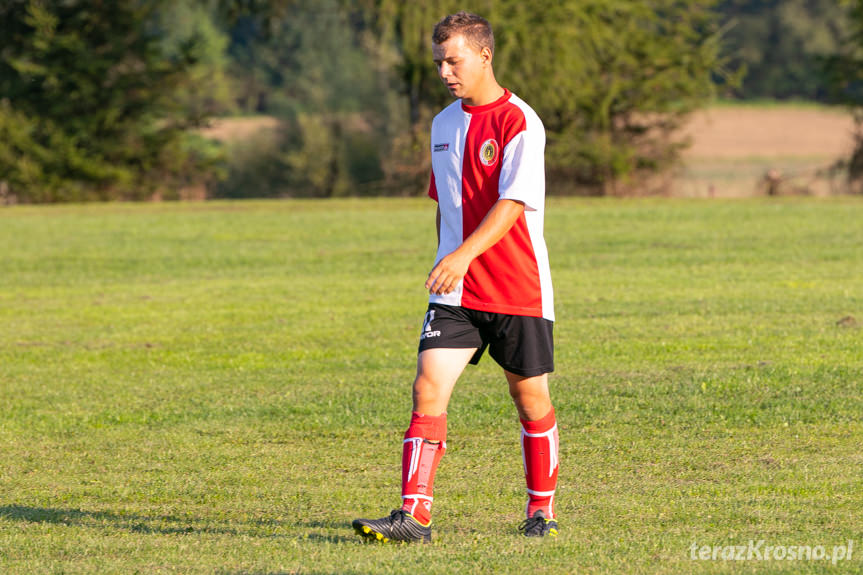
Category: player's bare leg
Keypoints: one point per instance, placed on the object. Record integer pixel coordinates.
(437, 373)
(530, 395)
(539, 445)
(423, 447)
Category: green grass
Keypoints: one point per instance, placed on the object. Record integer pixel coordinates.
(222, 387)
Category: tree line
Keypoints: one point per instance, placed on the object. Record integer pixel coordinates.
(105, 100)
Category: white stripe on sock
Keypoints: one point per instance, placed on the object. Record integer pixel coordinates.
(552, 450)
(416, 444)
(426, 497)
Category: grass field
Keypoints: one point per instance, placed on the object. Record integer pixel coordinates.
(221, 387)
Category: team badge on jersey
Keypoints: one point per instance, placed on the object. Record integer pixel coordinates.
(488, 152)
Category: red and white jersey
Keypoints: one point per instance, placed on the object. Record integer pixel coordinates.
(481, 154)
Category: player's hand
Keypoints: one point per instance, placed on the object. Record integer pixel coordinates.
(447, 274)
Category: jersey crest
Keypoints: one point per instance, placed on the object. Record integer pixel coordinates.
(488, 152)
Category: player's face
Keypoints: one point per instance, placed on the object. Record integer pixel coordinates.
(461, 66)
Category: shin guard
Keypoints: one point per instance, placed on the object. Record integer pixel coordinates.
(539, 441)
(424, 445)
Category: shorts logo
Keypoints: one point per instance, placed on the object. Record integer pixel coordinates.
(488, 152)
(427, 326)
(441, 147)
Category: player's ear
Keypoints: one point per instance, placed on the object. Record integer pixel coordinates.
(485, 55)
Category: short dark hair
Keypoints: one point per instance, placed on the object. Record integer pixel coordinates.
(473, 27)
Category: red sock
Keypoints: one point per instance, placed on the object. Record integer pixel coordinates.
(424, 445)
(539, 449)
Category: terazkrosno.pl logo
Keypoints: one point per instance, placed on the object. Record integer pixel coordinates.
(762, 551)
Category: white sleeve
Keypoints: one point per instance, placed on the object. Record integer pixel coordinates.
(522, 170)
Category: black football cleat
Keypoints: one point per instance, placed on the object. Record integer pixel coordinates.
(398, 526)
(538, 525)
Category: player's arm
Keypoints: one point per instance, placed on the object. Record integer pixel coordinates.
(452, 268)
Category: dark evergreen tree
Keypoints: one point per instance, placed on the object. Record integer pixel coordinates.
(90, 106)
(782, 44)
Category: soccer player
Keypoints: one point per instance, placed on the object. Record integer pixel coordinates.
(490, 286)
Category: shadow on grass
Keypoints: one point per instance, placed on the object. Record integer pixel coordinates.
(322, 538)
(160, 525)
(170, 525)
(344, 531)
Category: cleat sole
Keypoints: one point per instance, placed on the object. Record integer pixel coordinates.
(370, 535)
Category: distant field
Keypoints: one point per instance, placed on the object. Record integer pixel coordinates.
(733, 147)
(219, 388)
(232, 129)
(769, 132)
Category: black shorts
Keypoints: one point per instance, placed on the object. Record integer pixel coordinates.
(521, 345)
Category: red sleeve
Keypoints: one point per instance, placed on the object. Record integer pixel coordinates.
(432, 187)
